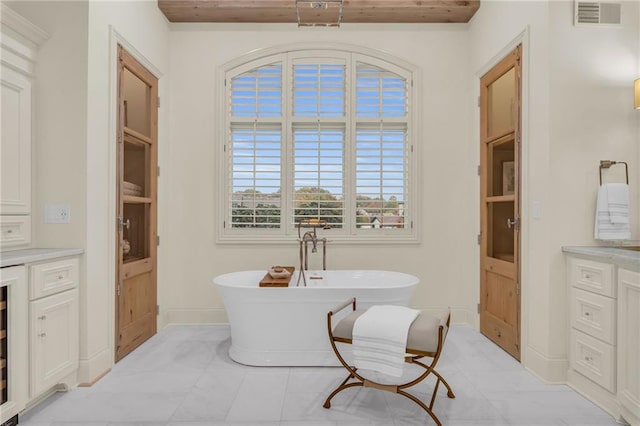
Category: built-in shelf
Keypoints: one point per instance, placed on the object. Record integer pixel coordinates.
(136, 200)
(137, 135)
(3, 305)
(501, 198)
(3, 334)
(3, 363)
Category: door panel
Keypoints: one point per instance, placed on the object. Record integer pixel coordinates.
(500, 203)
(137, 198)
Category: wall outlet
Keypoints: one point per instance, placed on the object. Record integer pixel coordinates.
(57, 214)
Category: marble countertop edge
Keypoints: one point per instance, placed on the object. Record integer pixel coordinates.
(612, 254)
(31, 255)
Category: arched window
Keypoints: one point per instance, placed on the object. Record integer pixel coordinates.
(326, 134)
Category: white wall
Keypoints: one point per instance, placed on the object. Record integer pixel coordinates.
(576, 112)
(448, 236)
(143, 26)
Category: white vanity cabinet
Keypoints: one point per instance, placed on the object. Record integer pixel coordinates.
(54, 323)
(15, 96)
(592, 319)
(604, 335)
(629, 343)
(18, 50)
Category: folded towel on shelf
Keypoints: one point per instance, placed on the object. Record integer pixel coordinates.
(380, 338)
(129, 188)
(612, 212)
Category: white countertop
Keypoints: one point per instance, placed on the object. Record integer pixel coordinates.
(615, 255)
(20, 257)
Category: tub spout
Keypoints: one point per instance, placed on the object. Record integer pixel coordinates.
(311, 237)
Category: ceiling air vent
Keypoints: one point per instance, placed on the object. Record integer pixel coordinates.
(603, 13)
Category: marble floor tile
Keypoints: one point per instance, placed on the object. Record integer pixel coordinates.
(212, 397)
(184, 376)
(260, 397)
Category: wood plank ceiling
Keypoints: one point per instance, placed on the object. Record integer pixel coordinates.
(353, 11)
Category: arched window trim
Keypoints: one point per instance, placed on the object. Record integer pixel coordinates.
(288, 54)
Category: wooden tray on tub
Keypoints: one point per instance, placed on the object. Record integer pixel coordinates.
(269, 281)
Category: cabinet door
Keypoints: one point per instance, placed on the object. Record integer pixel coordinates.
(629, 340)
(15, 170)
(54, 339)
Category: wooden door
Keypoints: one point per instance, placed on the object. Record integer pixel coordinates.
(136, 291)
(500, 100)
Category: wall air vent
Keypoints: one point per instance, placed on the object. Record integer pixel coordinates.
(598, 13)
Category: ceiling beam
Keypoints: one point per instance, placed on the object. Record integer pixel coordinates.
(354, 11)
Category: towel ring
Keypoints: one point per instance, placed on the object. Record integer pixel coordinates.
(605, 164)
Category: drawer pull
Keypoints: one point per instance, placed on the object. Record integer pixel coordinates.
(588, 358)
(42, 317)
(10, 231)
(42, 335)
(586, 314)
(60, 277)
(587, 276)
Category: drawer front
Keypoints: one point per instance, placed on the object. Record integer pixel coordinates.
(15, 231)
(53, 277)
(592, 276)
(593, 314)
(593, 359)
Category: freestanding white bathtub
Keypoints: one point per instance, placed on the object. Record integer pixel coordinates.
(288, 326)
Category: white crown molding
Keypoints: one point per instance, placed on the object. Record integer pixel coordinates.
(21, 26)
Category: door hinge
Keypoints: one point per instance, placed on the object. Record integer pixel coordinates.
(479, 238)
(225, 82)
(157, 240)
(478, 101)
(517, 289)
(158, 171)
(158, 101)
(157, 309)
(478, 308)
(118, 289)
(224, 224)
(478, 169)
(411, 224)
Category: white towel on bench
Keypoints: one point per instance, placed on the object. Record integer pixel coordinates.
(380, 338)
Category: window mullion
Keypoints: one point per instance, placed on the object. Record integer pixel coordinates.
(286, 184)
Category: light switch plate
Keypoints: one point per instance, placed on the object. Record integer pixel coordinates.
(536, 210)
(54, 213)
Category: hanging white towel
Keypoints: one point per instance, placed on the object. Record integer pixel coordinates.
(618, 202)
(612, 212)
(380, 338)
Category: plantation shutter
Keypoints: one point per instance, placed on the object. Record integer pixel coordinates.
(255, 148)
(255, 157)
(379, 93)
(382, 154)
(318, 173)
(318, 90)
(257, 93)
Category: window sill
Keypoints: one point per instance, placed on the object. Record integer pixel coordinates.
(334, 240)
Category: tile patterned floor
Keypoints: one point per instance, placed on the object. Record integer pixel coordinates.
(184, 377)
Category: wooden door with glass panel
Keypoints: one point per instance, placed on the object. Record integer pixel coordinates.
(500, 203)
(136, 290)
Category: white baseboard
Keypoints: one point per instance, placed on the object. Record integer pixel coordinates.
(549, 370)
(196, 316)
(598, 395)
(93, 367)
